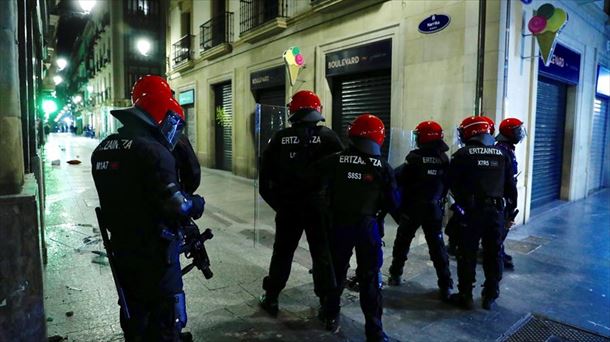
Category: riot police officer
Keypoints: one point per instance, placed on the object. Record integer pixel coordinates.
(142, 204)
(358, 185)
(455, 221)
(283, 186)
(480, 179)
(511, 133)
(423, 182)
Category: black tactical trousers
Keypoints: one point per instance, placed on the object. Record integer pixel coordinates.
(289, 226)
(484, 223)
(429, 216)
(365, 238)
(150, 284)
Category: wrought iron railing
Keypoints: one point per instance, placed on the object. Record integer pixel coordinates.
(182, 49)
(254, 13)
(216, 31)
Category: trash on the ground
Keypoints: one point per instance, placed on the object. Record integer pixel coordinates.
(69, 313)
(55, 162)
(73, 162)
(49, 319)
(100, 253)
(57, 338)
(100, 260)
(3, 303)
(73, 288)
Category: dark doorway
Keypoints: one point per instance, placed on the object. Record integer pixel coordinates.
(223, 113)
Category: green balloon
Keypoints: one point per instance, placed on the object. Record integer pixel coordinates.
(296, 51)
(546, 10)
(556, 22)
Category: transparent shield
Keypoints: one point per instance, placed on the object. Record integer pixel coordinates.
(400, 146)
(268, 119)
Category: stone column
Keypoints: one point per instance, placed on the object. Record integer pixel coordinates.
(11, 151)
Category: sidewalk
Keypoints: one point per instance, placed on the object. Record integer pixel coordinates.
(562, 270)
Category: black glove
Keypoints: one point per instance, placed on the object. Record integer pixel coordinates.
(198, 206)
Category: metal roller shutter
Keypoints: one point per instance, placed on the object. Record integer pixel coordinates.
(548, 143)
(598, 143)
(363, 93)
(224, 127)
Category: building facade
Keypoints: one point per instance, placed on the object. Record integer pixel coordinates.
(121, 41)
(406, 61)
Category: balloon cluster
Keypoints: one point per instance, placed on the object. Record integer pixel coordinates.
(548, 18)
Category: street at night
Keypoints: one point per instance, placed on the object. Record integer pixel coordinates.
(305, 170)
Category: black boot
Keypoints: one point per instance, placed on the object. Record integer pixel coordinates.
(489, 297)
(444, 293)
(394, 280)
(463, 301)
(269, 304)
(488, 302)
(508, 262)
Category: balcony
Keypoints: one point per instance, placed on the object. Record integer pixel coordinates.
(334, 5)
(216, 36)
(182, 50)
(260, 19)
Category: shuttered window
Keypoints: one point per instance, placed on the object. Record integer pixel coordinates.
(598, 144)
(224, 126)
(548, 143)
(354, 95)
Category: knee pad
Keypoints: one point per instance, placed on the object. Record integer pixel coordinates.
(179, 310)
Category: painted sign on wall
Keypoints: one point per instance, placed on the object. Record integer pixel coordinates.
(434, 23)
(563, 66)
(186, 97)
(373, 56)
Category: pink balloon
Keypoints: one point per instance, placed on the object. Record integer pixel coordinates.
(537, 24)
(299, 59)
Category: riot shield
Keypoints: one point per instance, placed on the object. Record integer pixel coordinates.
(268, 119)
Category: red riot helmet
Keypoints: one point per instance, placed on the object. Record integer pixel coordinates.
(162, 112)
(473, 125)
(512, 130)
(428, 131)
(305, 106)
(150, 84)
(492, 124)
(367, 126)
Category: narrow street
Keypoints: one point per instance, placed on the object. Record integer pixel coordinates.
(562, 270)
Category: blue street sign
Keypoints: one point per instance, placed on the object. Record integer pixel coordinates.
(434, 23)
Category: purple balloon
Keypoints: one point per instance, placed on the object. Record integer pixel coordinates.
(537, 24)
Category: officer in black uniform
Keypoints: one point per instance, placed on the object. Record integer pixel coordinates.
(480, 179)
(456, 221)
(512, 132)
(423, 180)
(283, 186)
(358, 186)
(189, 169)
(142, 204)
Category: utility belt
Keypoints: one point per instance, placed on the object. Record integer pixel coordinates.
(496, 202)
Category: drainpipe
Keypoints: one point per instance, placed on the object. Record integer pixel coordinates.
(480, 58)
(11, 144)
(506, 47)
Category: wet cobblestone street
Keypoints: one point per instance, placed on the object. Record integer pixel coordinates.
(562, 270)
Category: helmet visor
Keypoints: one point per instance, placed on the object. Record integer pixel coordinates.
(520, 134)
(171, 127)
